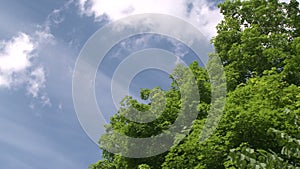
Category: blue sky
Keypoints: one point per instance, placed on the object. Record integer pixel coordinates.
(39, 44)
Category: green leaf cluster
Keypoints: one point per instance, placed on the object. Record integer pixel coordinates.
(259, 45)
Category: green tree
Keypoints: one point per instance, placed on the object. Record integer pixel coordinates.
(179, 98)
(245, 157)
(251, 109)
(259, 45)
(257, 35)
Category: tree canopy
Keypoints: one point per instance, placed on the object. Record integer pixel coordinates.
(259, 46)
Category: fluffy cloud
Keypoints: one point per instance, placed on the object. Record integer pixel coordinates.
(197, 12)
(19, 55)
(17, 67)
(15, 58)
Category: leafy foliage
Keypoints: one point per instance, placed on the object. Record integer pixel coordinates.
(245, 157)
(255, 36)
(259, 45)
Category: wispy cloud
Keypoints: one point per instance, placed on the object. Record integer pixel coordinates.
(56, 16)
(19, 55)
(37, 82)
(18, 67)
(198, 12)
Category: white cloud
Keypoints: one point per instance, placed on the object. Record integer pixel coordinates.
(15, 57)
(17, 66)
(196, 12)
(117, 9)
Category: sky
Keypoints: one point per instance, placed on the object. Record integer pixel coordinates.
(39, 44)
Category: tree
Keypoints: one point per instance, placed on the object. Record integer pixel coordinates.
(179, 101)
(245, 157)
(257, 35)
(251, 109)
(259, 45)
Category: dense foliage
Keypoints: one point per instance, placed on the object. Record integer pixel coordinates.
(259, 45)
